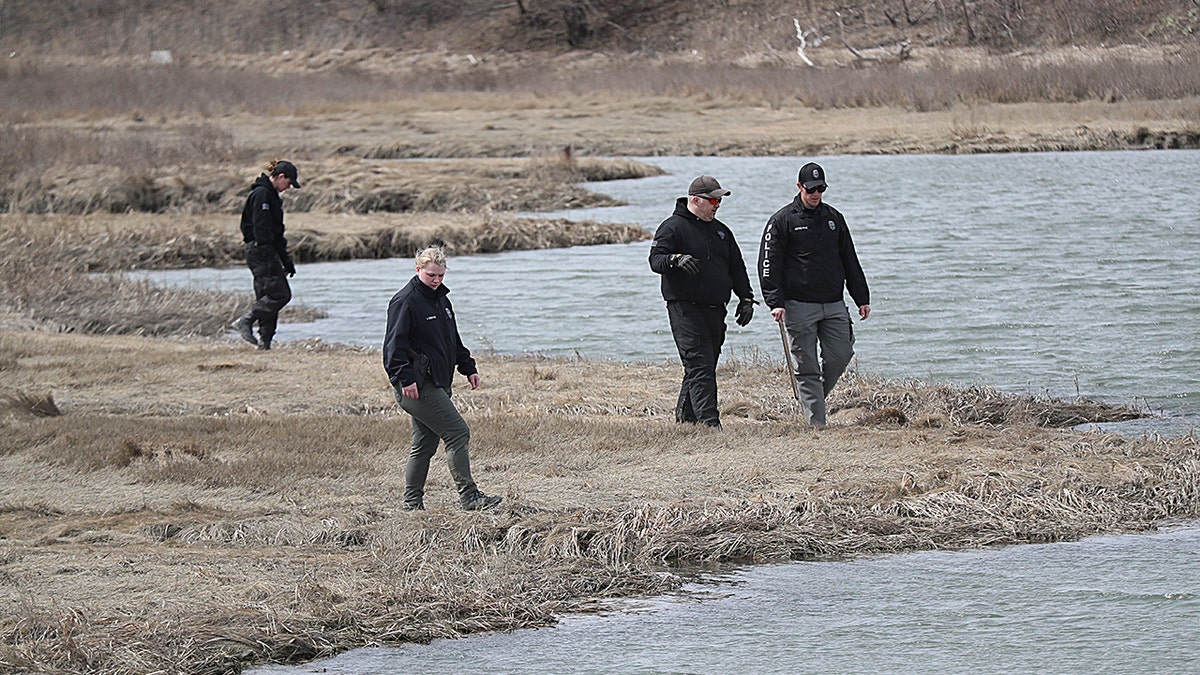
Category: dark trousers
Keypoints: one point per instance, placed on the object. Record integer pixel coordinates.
(699, 332)
(271, 289)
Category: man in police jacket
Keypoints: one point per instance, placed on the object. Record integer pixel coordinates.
(700, 264)
(805, 262)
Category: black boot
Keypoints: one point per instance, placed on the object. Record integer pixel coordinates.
(245, 328)
(264, 344)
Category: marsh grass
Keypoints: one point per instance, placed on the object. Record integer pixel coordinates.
(68, 179)
(45, 91)
(49, 262)
(47, 279)
(226, 507)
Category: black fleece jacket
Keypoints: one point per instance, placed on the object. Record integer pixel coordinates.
(262, 220)
(422, 332)
(807, 255)
(722, 268)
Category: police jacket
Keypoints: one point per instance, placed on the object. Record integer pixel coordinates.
(422, 337)
(807, 255)
(262, 221)
(722, 268)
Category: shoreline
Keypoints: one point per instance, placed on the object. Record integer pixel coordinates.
(228, 507)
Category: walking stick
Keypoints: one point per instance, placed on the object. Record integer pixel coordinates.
(787, 357)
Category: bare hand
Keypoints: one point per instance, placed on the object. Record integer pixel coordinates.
(779, 314)
(411, 391)
(864, 311)
(473, 378)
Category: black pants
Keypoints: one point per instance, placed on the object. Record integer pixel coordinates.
(699, 332)
(271, 289)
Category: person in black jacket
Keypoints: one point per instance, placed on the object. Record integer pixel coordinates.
(266, 252)
(421, 349)
(700, 264)
(806, 261)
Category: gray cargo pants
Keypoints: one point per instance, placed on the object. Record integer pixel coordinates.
(434, 419)
(807, 324)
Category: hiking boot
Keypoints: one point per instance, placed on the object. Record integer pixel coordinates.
(413, 506)
(481, 502)
(265, 344)
(245, 327)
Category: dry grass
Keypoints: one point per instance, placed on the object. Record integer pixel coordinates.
(224, 506)
(78, 184)
(113, 243)
(47, 271)
(48, 262)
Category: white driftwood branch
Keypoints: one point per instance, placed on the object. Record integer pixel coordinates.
(801, 35)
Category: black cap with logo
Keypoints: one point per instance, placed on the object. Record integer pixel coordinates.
(812, 176)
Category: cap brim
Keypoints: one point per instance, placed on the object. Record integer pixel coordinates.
(295, 184)
(814, 183)
(715, 194)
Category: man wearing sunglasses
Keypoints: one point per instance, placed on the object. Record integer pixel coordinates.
(805, 263)
(700, 264)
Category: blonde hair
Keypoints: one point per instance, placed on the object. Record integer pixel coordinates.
(271, 166)
(431, 254)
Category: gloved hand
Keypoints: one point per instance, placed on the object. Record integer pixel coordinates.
(686, 263)
(289, 266)
(744, 311)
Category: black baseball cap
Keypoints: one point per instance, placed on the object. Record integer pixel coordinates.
(812, 176)
(288, 169)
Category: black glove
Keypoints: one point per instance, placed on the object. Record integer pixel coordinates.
(686, 263)
(744, 311)
(288, 266)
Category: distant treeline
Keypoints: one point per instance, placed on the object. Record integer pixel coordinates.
(100, 27)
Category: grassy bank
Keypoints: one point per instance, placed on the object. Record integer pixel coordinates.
(226, 506)
(347, 210)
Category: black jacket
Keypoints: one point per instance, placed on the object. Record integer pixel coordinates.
(262, 221)
(807, 255)
(722, 268)
(422, 334)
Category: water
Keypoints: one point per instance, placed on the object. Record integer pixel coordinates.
(1113, 604)
(1061, 274)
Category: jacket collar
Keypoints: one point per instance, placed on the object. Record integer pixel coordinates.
(428, 292)
(264, 181)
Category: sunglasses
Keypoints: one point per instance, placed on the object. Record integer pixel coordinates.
(711, 200)
(819, 188)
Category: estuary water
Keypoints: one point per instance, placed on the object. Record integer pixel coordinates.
(1061, 274)
(1113, 604)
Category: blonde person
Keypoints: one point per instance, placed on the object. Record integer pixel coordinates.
(266, 252)
(421, 350)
